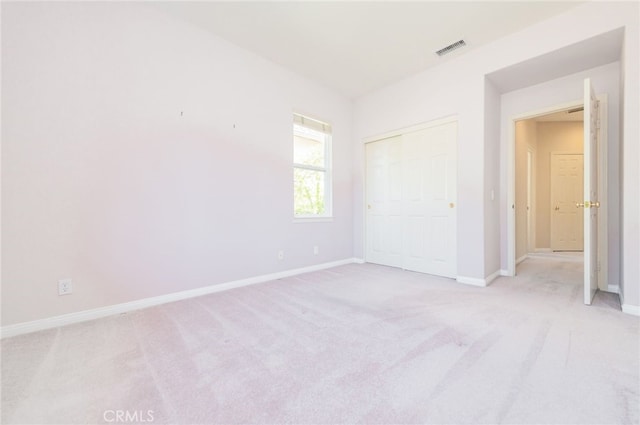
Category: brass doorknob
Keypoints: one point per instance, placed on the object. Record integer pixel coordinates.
(451, 205)
(579, 204)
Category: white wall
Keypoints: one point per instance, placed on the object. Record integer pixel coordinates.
(630, 153)
(142, 156)
(105, 182)
(436, 93)
(457, 87)
(491, 189)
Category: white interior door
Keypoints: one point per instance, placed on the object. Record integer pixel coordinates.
(566, 177)
(590, 202)
(384, 202)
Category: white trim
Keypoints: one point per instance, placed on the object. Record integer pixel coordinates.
(312, 219)
(359, 260)
(474, 281)
(631, 309)
(521, 259)
(549, 110)
(627, 308)
(532, 174)
(615, 289)
(97, 313)
(471, 281)
(311, 123)
(511, 198)
(504, 272)
(603, 194)
(411, 129)
(310, 167)
(493, 276)
(543, 250)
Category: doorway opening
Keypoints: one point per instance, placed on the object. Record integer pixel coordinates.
(545, 196)
(549, 173)
(549, 183)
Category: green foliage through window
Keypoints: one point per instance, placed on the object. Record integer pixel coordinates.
(308, 192)
(310, 169)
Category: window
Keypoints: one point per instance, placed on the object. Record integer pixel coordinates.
(311, 168)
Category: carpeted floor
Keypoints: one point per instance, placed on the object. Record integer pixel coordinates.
(355, 344)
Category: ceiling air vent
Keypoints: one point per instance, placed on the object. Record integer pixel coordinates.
(451, 47)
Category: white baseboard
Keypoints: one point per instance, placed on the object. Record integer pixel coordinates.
(359, 260)
(628, 308)
(631, 309)
(97, 313)
(521, 259)
(493, 276)
(613, 288)
(474, 281)
(504, 272)
(543, 250)
(471, 281)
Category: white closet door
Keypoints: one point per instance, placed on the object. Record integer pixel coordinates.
(430, 189)
(384, 202)
(411, 196)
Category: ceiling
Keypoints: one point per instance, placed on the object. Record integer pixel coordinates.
(355, 47)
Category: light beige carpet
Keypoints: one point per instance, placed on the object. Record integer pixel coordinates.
(354, 344)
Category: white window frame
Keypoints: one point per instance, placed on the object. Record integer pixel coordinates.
(322, 127)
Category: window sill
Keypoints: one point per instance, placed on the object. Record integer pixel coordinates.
(312, 219)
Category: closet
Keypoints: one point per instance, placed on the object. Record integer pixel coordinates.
(411, 199)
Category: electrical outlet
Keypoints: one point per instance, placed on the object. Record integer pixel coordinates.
(316, 250)
(280, 255)
(65, 287)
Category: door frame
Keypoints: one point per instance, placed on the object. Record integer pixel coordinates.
(602, 184)
(531, 197)
(394, 133)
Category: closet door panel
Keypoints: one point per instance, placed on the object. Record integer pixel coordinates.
(411, 200)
